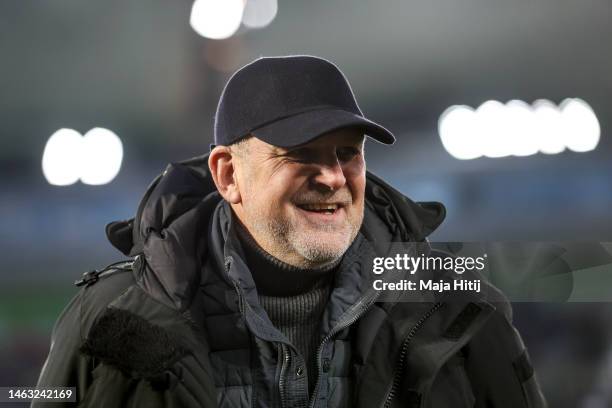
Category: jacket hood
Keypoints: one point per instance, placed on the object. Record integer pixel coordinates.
(177, 206)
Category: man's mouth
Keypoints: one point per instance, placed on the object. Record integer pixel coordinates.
(320, 208)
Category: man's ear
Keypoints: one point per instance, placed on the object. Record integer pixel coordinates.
(222, 165)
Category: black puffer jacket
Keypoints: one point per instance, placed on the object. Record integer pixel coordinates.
(180, 325)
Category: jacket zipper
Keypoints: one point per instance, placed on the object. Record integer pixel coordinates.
(400, 366)
(283, 374)
(360, 308)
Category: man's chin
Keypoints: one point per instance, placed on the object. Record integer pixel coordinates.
(322, 246)
(324, 234)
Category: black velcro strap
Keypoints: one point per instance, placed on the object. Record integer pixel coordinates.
(522, 367)
(462, 321)
(132, 344)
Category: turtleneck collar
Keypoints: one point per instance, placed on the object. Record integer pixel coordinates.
(274, 277)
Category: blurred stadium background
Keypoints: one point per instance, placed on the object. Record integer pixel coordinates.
(146, 74)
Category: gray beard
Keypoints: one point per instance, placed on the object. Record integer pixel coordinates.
(315, 252)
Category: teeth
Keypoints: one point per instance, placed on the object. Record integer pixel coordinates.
(320, 207)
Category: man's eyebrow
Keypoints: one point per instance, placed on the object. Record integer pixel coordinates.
(291, 150)
(279, 152)
(284, 151)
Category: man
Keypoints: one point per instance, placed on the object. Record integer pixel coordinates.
(251, 286)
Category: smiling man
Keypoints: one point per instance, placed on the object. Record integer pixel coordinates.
(250, 283)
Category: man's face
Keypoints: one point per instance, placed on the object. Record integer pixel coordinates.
(303, 205)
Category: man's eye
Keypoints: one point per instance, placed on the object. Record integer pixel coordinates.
(347, 153)
(303, 155)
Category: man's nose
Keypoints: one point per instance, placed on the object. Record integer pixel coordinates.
(330, 175)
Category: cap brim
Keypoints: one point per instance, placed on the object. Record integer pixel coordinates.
(304, 127)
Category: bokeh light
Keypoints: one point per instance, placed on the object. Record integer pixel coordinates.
(518, 129)
(456, 131)
(102, 156)
(259, 13)
(216, 19)
(61, 157)
(95, 158)
(580, 120)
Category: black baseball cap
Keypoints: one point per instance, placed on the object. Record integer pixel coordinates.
(287, 101)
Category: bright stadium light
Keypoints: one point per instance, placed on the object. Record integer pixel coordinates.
(61, 157)
(581, 122)
(102, 156)
(216, 19)
(518, 129)
(259, 13)
(521, 133)
(549, 127)
(94, 158)
(490, 129)
(456, 131)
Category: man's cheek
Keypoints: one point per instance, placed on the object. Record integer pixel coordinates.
(354, 173)
(355, 166)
